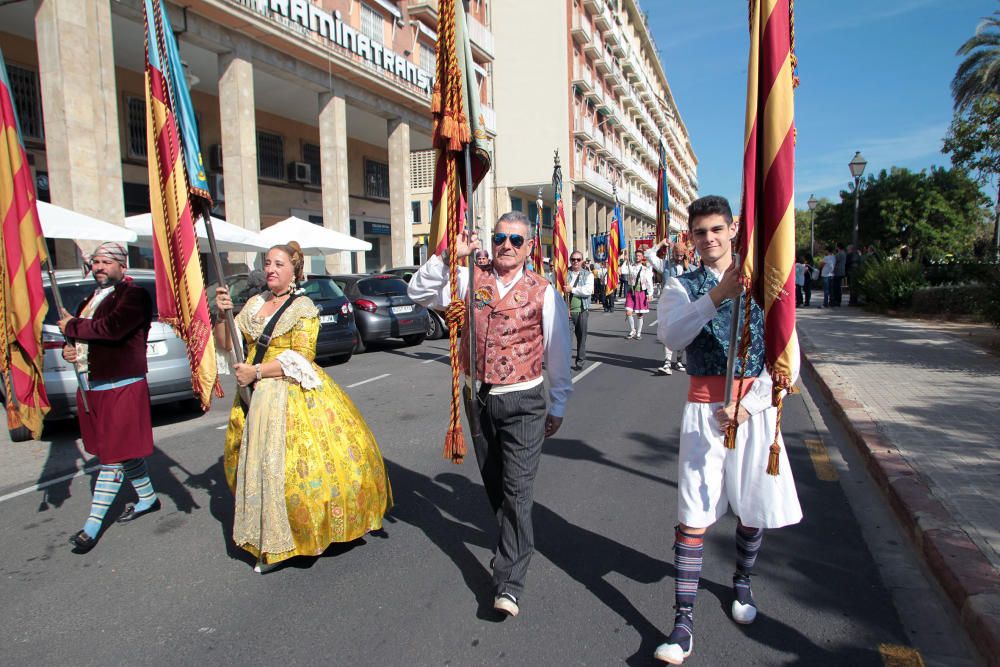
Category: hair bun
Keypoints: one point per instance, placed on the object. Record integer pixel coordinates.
(294, 245)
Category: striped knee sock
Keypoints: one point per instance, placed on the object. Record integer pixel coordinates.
(138, 476)
(109, 481)
(748, 541)
(688, 552)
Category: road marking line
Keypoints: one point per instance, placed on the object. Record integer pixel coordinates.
(440, 356)
(653, 323)
(377, 377)
(590, 368)
(821, 461)
(48, 483)
(220, 428)
(894, 655)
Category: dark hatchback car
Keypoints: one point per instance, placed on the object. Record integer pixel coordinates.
(338, 333)
(436, 328)
(383, 309)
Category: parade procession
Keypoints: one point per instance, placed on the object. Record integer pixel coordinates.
(416, 332)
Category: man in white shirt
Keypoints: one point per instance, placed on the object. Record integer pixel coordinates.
(581, 287)
(520, 323)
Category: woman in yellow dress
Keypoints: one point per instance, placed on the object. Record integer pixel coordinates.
(302, 464)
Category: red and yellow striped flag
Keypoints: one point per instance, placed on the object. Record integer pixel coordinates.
(560, 249)
(22, 298)
(614, 250)
(767, 221)
(180, 285)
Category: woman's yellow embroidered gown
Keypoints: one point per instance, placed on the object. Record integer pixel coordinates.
(303, 466)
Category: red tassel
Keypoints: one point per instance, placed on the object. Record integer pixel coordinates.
(13, 418)
(454, 446)
(218, 389)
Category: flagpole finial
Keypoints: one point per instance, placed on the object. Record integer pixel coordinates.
(539, 200)
(556, 159)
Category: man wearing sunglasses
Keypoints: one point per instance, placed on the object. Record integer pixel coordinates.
(520, 323)
(581, 288)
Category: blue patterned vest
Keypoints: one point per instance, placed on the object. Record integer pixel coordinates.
(708, 352)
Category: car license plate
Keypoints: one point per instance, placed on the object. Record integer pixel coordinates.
(156, 349)
(327, 319)
(396, 310)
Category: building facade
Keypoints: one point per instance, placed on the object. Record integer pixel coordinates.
(318, 109)
(584, 77)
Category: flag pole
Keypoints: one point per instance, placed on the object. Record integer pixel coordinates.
(734, 337)
(235, 350)
(57, 297)
(470, 316)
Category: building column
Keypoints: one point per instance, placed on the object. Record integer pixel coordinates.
(399, 192)
(333, 174)
(83, 151)
(238, 119)
(592, 212)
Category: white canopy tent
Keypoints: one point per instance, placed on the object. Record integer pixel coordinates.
(61, 223)
(229, 237)
(314, 239)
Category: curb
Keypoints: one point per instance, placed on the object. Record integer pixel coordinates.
(968, 578)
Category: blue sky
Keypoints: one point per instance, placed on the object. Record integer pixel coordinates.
(875, 77)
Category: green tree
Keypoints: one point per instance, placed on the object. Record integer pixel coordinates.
(973, 140)
(978, 76)
(935, 214)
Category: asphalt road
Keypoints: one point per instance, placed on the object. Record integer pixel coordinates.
(170, 589)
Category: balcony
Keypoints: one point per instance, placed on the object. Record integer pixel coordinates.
(583, 128)
(595, 6)
(642, 204)
(581, 31)
(489, 119)
(602, 20)
(481, 38)
(596, 180)
(595, 49)
(597, 93)
(615, 39)
(582, 79)
(426, 10)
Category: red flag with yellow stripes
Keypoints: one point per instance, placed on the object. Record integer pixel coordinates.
(767, 220)
(180, 285)
(22, 298)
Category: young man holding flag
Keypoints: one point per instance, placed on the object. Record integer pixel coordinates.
(695, 312)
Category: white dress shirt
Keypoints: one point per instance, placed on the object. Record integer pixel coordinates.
(430, 287)
(586, 287)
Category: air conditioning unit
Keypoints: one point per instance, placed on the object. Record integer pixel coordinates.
(300, 172)
(217, 188)
(215, 157)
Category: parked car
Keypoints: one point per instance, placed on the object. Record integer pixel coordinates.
(169, 373)
(338, 333)
(436, 327)
(383, 309)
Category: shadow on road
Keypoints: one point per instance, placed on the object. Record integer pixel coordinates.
(578, 450)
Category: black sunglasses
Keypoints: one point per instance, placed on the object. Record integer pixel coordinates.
(576, 259)
(516, 240)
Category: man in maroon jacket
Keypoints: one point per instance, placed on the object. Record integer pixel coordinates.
(108, 345)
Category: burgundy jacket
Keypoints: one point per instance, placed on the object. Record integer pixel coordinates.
(116, 334)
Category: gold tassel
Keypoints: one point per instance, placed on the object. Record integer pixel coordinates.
(436, 98)
(772, 459)
(730, 440)
(13, 417)
(454, 445)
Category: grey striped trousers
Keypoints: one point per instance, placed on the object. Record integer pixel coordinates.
(508, 452)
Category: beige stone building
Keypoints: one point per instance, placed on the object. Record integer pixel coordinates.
(584, 77)
(313, 108)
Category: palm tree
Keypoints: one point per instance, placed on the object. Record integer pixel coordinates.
(979, 74)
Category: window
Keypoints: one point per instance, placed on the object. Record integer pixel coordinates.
(417, 209)
(376, 179)
(532, 213)
(27, 101)
(310, 155)
(270, 156)
(372, 24)
(422, 169)
(546, 216)
(135, 128)
(428, 62)
(516, 204)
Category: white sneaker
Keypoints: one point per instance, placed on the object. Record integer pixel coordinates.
(673, 654)
(630, 336)
(664, 370)
(506, 603)
(744, 614)
(638, 335)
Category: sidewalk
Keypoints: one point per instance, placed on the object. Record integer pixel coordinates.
(923, 406)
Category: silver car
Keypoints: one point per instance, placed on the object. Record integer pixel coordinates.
(169, 373)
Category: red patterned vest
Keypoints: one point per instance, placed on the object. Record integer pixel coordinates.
(509, 340)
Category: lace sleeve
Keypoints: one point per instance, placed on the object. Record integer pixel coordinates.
(295, 366)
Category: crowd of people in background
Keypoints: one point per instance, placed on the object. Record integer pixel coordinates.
(839, 265)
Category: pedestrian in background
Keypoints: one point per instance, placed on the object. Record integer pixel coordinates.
(581, 288)
(812, 275)
(839, 271)
(695, 312)
(520, 323)
(109, 335)
(638, 280)
(801, 269)
(304, 468)
(826, 274)
(852, 269)
(483, 260)
(600, 284)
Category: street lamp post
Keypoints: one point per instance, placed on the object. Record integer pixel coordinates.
(857, 166)
(812, 203)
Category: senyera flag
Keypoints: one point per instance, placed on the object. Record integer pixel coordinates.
(767, 221)
(458, 132)
(176, 177)
(662, 197)
(22, 298)
(615, 235)
(560, 248)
